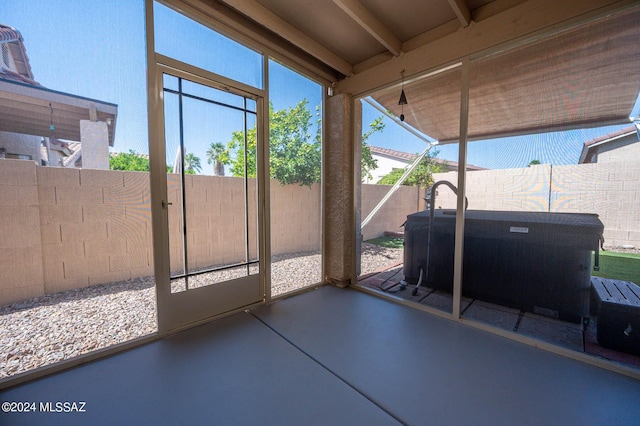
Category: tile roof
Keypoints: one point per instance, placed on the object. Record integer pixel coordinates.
(610, 136)
(408, 157)
(587, 149)
(12, 38)
(400, 155)
(8, 33)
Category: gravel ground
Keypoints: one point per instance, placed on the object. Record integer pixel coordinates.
(63, 325)
(375, 258)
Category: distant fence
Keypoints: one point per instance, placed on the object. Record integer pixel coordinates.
(70, 228)
(611, 190)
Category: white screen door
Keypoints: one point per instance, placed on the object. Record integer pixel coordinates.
(209, 137)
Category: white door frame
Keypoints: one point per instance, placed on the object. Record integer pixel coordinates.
(183, 309)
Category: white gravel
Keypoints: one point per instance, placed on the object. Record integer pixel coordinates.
(63, 325)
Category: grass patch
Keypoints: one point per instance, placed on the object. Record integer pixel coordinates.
(388, 242)
(619, 266)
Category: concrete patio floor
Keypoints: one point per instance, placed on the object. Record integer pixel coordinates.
(565, 334)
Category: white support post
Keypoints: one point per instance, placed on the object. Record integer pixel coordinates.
(460, 206)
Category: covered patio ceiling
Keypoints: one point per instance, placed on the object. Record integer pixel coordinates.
(350, 35)
(29, 109)
(583, 77)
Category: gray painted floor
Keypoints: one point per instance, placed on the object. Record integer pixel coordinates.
(329, 357)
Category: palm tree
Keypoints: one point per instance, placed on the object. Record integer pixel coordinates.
(192, 163)
(216, 154)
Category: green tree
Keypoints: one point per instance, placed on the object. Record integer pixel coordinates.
(217, 155)
(192, 164)
(368, 163)
(295, 153)
(422, 175)
(131, 161)
(533, 163)
(236, 144)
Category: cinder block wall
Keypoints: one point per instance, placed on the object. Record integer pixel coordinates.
(72, 228)
(525, 189)
(215, 215)
(96, 227)
(20, 239)
(406, 200)
(296, 223)
(611, 190)
(607, 189)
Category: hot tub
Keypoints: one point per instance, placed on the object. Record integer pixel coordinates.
(535, 261)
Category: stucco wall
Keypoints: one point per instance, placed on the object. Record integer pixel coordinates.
(16, 143)
(385, 166)
(608, 189)
(619, 150)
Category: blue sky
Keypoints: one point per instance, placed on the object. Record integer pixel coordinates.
(97, 50)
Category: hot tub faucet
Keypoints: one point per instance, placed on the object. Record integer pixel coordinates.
(432, 203)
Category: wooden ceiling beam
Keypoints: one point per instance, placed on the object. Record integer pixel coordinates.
(524, 20)
(263, 16)
(371, 24)
(462, 11)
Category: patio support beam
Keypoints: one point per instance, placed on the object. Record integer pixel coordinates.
(263, 16)
(357, 180)
(461, 9)
(339, 185)
(371, 24)
(458, 250)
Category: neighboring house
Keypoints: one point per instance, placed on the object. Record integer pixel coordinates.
(390, 159)
(50, 127)
(617, 146)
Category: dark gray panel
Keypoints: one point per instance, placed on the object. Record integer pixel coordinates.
(232, 371)
(429, 370)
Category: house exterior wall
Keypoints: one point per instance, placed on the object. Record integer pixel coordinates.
(385, 166)
(608, 189)
(15, 143)
(619, 150)
(56, 158)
